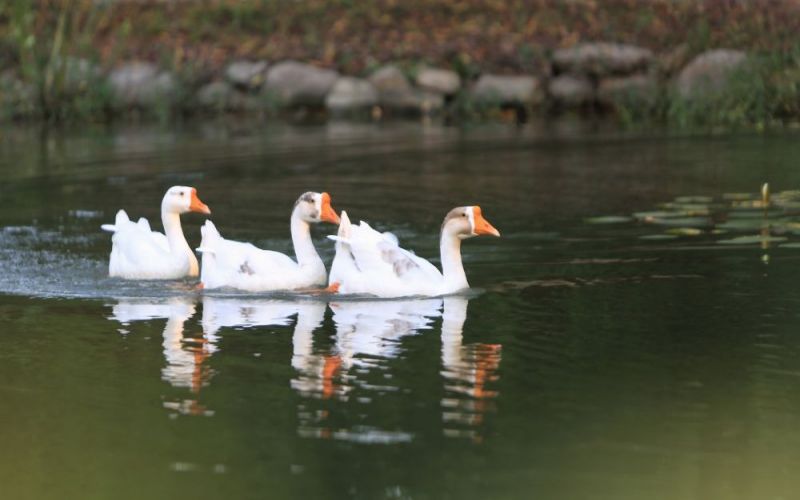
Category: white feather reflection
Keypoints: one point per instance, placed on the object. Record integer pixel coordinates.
(369, 334)
(467, 371)
(185, 357)
(237, 313)
(372, 330)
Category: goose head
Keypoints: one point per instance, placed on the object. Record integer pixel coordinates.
(183, 199)
(466, 222)
(316, 207)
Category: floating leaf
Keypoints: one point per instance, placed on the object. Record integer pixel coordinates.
(749, 240)
(743, 224)
(693, 199)
(687, 208)
(658, 237)
(685, 231)
(752, 204)
(658, 214)
(738, 196)
(608, 219)
(684, 222)
(789, 206)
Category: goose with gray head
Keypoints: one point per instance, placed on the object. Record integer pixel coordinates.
(370, 262)
(137, 252)
(243, 266)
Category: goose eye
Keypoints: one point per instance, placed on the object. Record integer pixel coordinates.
(181, 193)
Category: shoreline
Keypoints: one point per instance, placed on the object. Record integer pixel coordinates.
(80, 61)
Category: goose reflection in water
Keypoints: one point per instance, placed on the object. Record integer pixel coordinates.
(368, 335)
(467, 370)
(185, 357)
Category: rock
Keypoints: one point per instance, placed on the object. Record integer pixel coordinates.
(671, 62)
(351, 94)
(641, 89)
(298, 84)
(222, 96)
(569, 90)
(601, 59)
(429, 103)
(246, 75)
(520, 90)
(439, 80)
(215, 95)
(708, 73)
(140, 84)
(394, 90)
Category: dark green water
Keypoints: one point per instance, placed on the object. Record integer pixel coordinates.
(592, 363)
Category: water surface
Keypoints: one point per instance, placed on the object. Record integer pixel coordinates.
(592, 361)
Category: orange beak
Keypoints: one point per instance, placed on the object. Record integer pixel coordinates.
(482, 225)
(328, 213)
(195, 205)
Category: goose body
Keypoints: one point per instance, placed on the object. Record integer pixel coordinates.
(370, 262)
(138, 252)
(243, 266)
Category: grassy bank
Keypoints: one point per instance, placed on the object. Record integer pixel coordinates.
(195, 39)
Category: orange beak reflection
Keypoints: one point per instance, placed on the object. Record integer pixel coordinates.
(328, 213)
(482, 225)
(195, 205)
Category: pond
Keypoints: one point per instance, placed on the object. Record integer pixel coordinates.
(635, 356)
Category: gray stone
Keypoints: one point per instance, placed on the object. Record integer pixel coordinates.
(429, 103)
(298, 84)
(568, 90)
(140, 84)
(709, 72)
(394, 90)
(222, 96)
(601, 59)
(439, 80)
(246, 74)
(499, 89)
(351, 94)
(628, 89)
(216, 95)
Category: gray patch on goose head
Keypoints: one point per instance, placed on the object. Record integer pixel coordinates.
(456, 214)
(310, 214)
(308, 196)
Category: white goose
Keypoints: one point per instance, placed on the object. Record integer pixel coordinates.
(242, 266)
(370, 262)
(137, 252)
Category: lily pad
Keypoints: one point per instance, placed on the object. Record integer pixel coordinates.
(658, 237)
(743, 224)
(685, 231)
(693, 199)
(750, 240)
(609, 219)
(751, 214)
(657, 214)
(738, 196)
(687, 208)
(684, 222)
